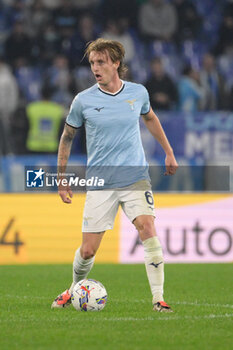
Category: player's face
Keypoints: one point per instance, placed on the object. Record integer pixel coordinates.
(103, 68)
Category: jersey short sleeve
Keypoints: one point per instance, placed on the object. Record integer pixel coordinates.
(146, 102)
(75, 116)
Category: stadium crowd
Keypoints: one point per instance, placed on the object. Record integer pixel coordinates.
(181, 50)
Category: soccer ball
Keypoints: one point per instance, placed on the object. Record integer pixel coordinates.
(89, 295)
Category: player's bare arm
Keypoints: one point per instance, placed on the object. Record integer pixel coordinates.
(154, 126)
(63, 156)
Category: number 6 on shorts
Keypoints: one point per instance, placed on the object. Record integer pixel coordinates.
(149, 197)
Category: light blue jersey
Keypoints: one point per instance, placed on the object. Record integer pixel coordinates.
(112, 128)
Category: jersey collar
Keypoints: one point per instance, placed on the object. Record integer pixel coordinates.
(115, 93)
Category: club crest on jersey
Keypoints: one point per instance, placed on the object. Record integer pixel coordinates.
(131, 103)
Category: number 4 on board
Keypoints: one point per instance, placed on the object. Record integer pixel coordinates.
(16, 243)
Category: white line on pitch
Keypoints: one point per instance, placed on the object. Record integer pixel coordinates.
(25, 297)
(167, 318)
(171, 317)
(202, 304)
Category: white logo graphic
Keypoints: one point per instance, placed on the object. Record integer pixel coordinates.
(35, 178)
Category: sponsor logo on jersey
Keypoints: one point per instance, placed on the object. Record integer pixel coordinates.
(98, 109)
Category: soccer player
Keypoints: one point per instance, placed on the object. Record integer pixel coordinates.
(110, 111)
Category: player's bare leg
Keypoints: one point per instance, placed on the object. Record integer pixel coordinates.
(153, 260)
(83, 262)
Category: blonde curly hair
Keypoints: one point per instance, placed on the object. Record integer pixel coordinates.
(115, 49)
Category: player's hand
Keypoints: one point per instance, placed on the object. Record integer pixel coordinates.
(171, 164)
(66, 194)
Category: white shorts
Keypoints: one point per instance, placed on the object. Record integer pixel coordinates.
(101, 206)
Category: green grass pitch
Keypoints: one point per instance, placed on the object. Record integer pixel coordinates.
(201, 295)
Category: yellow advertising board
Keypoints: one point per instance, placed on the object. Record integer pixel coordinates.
(40, 228)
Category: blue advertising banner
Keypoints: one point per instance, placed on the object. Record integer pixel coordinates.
(206, 136)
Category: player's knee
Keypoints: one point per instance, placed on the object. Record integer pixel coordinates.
(145, 227)
(148, 228)
(87, 252)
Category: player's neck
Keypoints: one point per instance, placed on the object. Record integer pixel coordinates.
(112, 87)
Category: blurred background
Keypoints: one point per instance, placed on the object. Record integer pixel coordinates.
(182, 51)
